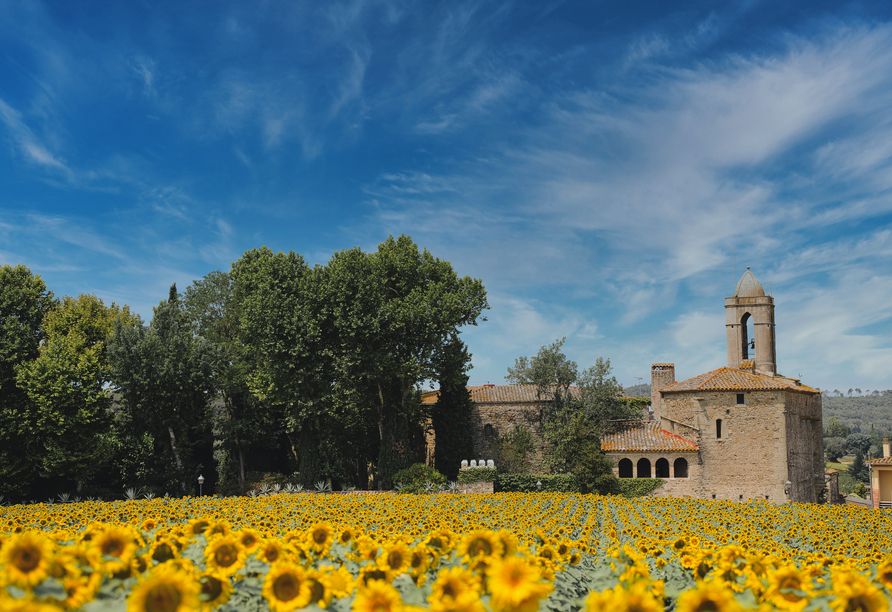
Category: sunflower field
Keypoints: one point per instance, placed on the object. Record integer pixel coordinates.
(509, 552)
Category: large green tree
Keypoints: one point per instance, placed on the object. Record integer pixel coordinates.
(572, 421)
(245, 423)
(24, 302)
(401, 310)
(66, 385)
(164, 374)
(282, 323)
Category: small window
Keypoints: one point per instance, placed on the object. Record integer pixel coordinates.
(718, 429)
(487, 431)
(740, 401)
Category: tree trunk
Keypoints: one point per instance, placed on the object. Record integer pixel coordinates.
(176, 454)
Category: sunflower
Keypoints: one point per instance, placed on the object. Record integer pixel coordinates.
(515, 586)
(395, 559)
(27, 558)
(217, 528)
(215, 590)
(165, 591)
(271, 551)
(320, 591)
(346, 536)
(378, 596)
(368, 573)
(163, 550)
(453, 583)
(884, 574)
(340, 581)
(285, 587)
(708, 597)
(197, 526)
(249, 539)
(787, 590)
(637, 598)
(26, 604)
(320, 538)
(854, 593)
(225, 555)
(118, 543)
(480, 544)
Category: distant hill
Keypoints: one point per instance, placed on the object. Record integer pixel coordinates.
(860, 413)
(642, 390)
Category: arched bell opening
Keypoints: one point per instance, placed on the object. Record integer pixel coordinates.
(625, 468)
(644, 468)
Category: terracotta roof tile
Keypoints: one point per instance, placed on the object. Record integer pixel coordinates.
(643, 436)
(881, 461)
(732, 379)
(497, 394)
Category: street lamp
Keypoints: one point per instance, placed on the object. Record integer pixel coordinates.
(787, 487)
(539, 485)
(200, 482)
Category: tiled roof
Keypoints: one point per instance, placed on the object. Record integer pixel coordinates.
(661, 364)
(748, 364)
(498, 394)
(732, 379)
(881, 461)
(642, 436)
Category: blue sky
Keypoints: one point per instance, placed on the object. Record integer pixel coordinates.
(597, 164)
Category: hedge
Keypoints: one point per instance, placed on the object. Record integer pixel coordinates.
(483, 474)
(526, 483)
(639, 487)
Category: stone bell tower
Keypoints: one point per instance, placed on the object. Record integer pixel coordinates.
(750, 302)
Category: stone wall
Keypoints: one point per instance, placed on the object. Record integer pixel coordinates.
(748, 460)
(503, 418)
(804, 445)
(477, 487)
(674, 485)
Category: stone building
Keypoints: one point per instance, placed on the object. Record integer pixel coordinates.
(753, 433)
(739, 432)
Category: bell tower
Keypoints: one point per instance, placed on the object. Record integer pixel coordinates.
(750, 303)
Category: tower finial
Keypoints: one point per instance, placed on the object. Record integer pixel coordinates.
(747, 267)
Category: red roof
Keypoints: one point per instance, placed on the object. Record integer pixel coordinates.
(644, 436)
(498, 394)
(881, 461)
(732, 379)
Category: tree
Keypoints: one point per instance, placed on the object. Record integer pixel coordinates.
(244, 423)
(281, 322)
(836, 429)
(451, 416)
(569, 420)
(394, 313)
(24, 302)
(834, 448)
(164, 373)
(858, 443)
(512, 450)
(66, 385)
(858, 469)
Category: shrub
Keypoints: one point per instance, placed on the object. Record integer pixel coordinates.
(414, 477)
(477, 475)
(638, 487)
(526, 483)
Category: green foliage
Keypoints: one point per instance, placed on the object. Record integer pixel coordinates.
(866, 414)
(512, 451)
(24, 303)
(66, 385)
(451, 416)
(568, 418)
(638, 404)
(836, 429)
(479, 474)
(638, 487)
(834, 448)
(858, 469)
(526, 483)
(164, 374)
(414, 478)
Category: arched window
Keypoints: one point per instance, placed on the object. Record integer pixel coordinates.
(487, 431)
(644, 468)
(662, 468)
(718, 429)
(681, 468)
(746, 336)
(625, 468)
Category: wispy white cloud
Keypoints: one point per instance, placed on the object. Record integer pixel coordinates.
(30, 147)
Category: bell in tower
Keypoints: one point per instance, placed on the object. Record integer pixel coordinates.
(749, 304)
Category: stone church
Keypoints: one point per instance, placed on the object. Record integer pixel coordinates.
(739, 432)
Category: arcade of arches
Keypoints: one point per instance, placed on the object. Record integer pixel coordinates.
(662, 468)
